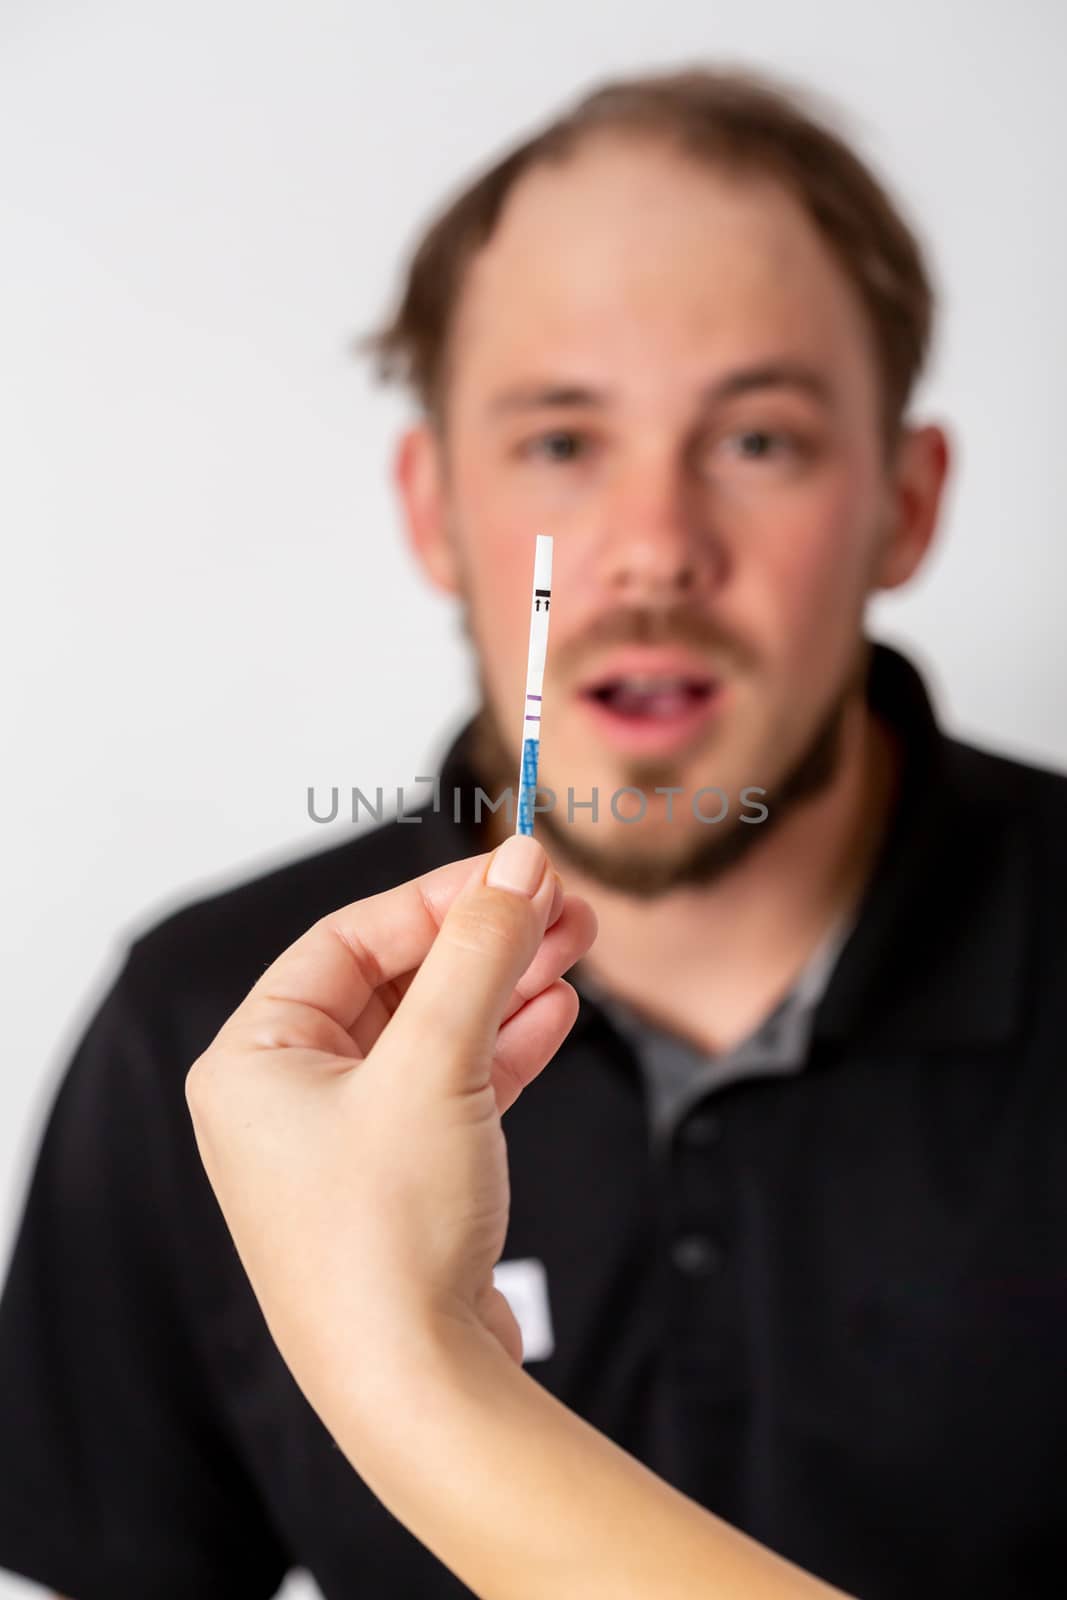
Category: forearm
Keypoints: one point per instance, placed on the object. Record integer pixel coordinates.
(521, 1498)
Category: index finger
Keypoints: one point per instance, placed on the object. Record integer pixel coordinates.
(338, 964)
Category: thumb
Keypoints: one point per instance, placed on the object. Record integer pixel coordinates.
(454, 1005)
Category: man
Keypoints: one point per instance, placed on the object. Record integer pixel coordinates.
(788, 1214)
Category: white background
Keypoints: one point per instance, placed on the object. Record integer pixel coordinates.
(206, 601)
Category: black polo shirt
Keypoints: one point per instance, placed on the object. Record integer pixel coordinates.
(832, 1306)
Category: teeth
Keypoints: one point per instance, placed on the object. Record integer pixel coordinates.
(647, 696)
(639, 685)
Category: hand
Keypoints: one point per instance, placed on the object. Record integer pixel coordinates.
(348, 1112)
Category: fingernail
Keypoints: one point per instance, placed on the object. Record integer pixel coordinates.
(557, 900)
(518, 865)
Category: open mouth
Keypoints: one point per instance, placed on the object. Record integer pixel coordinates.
(655, 698)
(652, 709)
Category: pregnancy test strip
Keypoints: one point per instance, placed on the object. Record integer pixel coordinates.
(535, 677)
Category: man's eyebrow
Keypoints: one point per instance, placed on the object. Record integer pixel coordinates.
(770, 375)
(551, 395)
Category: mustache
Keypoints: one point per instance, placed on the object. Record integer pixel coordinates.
(654, 626)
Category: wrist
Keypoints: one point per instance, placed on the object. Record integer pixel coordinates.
(453, 1437)
(392, 1365)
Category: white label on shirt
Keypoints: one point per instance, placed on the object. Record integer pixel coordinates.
(524, 1285)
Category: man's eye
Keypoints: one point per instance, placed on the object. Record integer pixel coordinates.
(560, 445)
(758, 444)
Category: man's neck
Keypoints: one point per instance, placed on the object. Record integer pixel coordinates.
(709, 962)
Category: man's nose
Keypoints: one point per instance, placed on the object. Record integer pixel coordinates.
(659, 540)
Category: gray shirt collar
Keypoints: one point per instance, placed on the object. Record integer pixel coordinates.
(677, 1073)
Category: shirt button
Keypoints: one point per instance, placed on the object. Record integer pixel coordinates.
(697, 1254)
(701, 1130)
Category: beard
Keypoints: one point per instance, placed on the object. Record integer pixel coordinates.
(649, 873)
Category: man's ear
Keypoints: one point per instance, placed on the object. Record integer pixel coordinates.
(419, 476)
(917, 480)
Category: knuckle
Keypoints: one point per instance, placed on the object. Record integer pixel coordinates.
(486, 925)
(204, 1084)
(197, 1086)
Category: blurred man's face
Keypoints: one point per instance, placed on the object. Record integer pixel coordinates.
(664, 368)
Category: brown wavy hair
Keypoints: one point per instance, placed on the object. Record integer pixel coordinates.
(733, 120)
